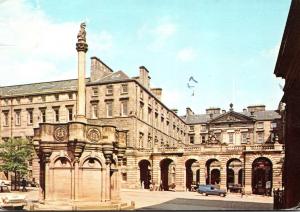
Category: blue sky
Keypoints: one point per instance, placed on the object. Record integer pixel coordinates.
(229, 46)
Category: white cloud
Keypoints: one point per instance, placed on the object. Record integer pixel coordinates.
(34, 48)
(187, 55)
(159, 34)
(272, 52)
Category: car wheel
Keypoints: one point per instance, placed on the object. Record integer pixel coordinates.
(206, 194)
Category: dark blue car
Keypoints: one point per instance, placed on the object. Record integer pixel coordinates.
(211, 190)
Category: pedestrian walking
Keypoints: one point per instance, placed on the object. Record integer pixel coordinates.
(23, 184)
(242, 192)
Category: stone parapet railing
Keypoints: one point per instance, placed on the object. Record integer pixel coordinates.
(215, 148)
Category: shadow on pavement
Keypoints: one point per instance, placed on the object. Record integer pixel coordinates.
(196, 204)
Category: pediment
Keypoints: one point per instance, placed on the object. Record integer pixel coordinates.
(231, 117)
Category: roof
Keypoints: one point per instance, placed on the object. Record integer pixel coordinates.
(205, 118)
(113, 77)
(39, 88)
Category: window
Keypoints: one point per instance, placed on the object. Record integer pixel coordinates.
(230, 135)
(109, 109)
(124, 108)
(30, 117)
(124, 88)
(244, 138)
(192, 128)
(18, 100)
(203, 139)
(192, 139)
(5, 120)
(56, 114)
(95, 91)
(94, 111)
(141, 93)
(43, 115)
(18, 117)
(70, 113)
(141, 112)
(124, 161)
(203, 128)
(44, 98)
(109, 90)
(260, 125)
(273, 125)
(124, 176)
(141, 140)
(56, 96)
(149, 114)
(30, 99)
(260, 137)
(70, 95)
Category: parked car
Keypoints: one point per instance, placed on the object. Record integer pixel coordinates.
(13, 201)
(211, 190)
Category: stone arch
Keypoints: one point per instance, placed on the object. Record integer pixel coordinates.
(96, 156)
(213, 171)
(192, 173)
(91, 178)
(262, 176)
(57, 156)
(233, 168)
(61, 177)
(144, 166)
(168, 171)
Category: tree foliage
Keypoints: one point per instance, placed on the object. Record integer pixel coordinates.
(14, 156)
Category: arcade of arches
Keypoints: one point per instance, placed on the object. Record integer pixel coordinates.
(259, 175)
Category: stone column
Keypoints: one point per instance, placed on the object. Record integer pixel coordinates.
(48, 184)
(202, 175)
(76, 179)
(180, 170)
(108, 183)
(248, 178)
(81, 47)
(223, 176)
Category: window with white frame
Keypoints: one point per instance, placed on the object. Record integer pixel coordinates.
(43, 115)
(18, 117)
(94, 111)
(260, 125)
(5, 119)
(56, 114)
(109, 90)
(260, 137)
(124, 108)
(230, 136)
(30, 116)
(109, 109)
(244, 137)
(124, 88)
(70, 113)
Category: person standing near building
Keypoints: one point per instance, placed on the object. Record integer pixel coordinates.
(23, 184)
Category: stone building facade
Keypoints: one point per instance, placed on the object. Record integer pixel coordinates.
(288, 68)
(163, 148)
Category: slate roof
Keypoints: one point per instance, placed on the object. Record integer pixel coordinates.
(204, 118)
(113, 77)
(39, 88)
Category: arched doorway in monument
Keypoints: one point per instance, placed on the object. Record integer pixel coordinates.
(145, 173)
(192, 173)
(234, 172)
(213, 174)
(61, 173)
(91, 176)
(167, 170)
(262, 176)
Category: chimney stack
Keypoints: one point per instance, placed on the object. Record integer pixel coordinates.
(144, 77)
(189, 112)
(157, 92)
